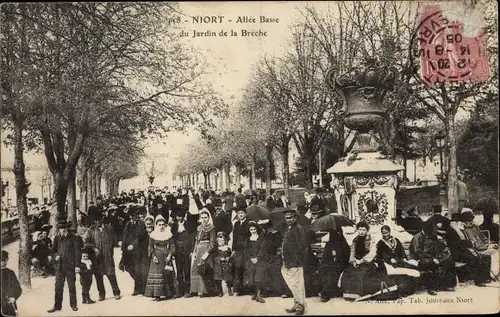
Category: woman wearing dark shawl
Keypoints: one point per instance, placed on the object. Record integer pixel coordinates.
(205, 245)
(255, 264)
(391, 254)
(335, 260)
(364, 277)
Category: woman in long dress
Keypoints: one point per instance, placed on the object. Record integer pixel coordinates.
(204, 247)
(256, 265)
(144, 259)
(363, 277)
(391, 254)
(335, 259)
(160, 250)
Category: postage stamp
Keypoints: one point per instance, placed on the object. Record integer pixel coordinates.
(450, 50)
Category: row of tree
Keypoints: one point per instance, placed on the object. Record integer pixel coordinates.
(84, 83)
(287, 99)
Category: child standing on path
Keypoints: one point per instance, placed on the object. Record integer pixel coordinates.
(223, 264)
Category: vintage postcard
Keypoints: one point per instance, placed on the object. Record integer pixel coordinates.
(249, 158)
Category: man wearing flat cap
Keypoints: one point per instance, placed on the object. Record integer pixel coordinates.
(462, 250)
(66, 253)
(294, 252)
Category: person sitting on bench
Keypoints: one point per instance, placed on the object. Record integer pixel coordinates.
(41, 253)
(434, 259)
(462, 248)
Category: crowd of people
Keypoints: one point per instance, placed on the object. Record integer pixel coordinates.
(186, 244)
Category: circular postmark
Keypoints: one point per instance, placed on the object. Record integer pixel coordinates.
(444, 51)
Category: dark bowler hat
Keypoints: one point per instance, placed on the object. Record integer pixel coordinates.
(242, 206)
(315, 209)
(456, 217)
(141, 210)
(63, 224)
(217, 202)
(179, 213)
(437, 209)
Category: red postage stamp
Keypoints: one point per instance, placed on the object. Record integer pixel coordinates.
(448, 53)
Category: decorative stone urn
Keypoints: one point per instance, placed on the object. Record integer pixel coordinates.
(366, 181)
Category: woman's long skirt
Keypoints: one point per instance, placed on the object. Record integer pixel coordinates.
(255, 274)
(274, 282)
(197, 281)
(363, 280)
(160, 281)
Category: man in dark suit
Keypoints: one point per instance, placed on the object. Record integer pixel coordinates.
(294, 251)
(92, 213)
(100, 237)
(240, 236)
(271, 201)
(462, 250)
(228, 202)
(66, 250)
(184, 238)
(222, 219)
(281, 200)
(240, 199)
(133, 233)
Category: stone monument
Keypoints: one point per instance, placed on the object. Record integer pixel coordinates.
(366, 180)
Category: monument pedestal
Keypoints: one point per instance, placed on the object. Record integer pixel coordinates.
(366, 185)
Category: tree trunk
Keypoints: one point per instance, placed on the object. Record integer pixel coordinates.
(94, 181)
(269, 158)
(99, 180)
(253, 184)
(227, 170)
(452, 190)
(405, 168)
(286, 169)
(60, 195)
(237, 178)
(90, 177)
(221, 177)
(117, 186)
(22, 207)
(84, 190)
(71, 198)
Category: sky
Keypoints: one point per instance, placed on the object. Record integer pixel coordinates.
(230, 58)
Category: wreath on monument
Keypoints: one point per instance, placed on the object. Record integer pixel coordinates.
(373, 207)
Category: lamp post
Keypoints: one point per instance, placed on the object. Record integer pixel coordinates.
(440, 140)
